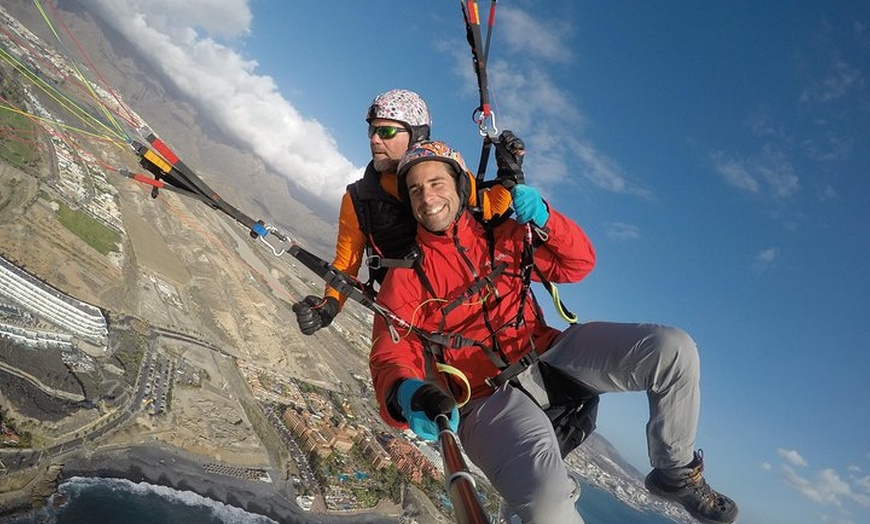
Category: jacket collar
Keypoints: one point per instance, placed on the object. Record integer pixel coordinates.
(457, 228)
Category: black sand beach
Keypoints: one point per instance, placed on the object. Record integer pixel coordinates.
(171, 468)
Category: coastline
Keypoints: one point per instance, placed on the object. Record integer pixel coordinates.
(173, 468)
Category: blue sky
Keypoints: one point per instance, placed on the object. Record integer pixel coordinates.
(717, 154)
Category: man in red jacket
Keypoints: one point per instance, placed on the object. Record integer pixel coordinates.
(475, 326)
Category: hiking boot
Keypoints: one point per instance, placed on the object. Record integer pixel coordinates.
(687, 487)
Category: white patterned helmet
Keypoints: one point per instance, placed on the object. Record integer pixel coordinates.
(406, 107)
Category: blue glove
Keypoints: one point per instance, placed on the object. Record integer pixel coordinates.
(421, 402)
(529, 205)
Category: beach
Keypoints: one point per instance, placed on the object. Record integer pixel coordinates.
(164, 466)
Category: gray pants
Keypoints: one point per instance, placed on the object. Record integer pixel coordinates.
(511, 439)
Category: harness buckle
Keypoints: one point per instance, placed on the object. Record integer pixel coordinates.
(512, 371)
(374, 261)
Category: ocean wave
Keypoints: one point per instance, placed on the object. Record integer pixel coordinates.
(223, 512)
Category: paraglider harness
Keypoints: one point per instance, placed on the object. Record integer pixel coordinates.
(388, 228)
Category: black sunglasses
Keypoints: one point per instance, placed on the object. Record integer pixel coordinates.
(386, 132)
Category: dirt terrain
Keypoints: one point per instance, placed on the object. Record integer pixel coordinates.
(188, 269)
(182, 268)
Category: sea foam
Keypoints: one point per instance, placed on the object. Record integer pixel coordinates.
(221, 511)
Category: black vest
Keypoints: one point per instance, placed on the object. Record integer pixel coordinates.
(390, 229)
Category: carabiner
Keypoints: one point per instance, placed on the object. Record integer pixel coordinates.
(480, 118)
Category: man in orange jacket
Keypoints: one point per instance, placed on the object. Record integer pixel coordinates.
(373, 224)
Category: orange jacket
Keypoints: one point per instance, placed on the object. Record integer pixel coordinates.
(351, 242)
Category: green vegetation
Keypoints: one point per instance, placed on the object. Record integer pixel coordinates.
(130, 349)
(89, 229)
(16, 130)
(16, 140)
(25, 437)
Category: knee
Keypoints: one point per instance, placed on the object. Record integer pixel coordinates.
(677, 351)
(553, 501)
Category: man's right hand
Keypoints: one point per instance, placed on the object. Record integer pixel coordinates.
(510, 174)
(421, 403)
(314, 313)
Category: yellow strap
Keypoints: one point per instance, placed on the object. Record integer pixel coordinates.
(450, 370)
(566, 315)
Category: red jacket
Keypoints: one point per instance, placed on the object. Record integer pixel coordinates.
(567, 256)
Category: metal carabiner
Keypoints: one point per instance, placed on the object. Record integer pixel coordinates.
(480, 118)
(277, 234)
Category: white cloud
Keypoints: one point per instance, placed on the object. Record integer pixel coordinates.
(762, 124)
(790, 455)
(530, 93)
(831, 149)
(767, 257)
(776, 169)
(528, 100)
(227, 18)
(533, 37)
(827, 489)
(765, 466)
(862, 36)
(770, 173)
(762, 262)
(840, 81)
(245, 105)
(622, 231)
(600, 169)
(735, 173)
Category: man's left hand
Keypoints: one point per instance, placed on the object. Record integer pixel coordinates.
(529, 205)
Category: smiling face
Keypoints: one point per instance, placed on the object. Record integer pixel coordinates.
(433, 195)
(386, 152)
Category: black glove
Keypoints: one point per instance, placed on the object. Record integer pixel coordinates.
(314, 313)
(517, 149)
(432, 400)
(421, 402)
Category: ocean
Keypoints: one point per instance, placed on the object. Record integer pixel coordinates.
(114, 501)
(598, 506)
(118, 501)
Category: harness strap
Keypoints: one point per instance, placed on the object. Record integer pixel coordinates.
(472, 25)
(332, 276)
(479, 284)
(423, 278)
(510, 372)
(375, 261)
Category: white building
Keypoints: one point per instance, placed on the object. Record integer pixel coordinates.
(79, 318)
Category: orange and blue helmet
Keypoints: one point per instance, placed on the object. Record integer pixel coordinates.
(439, 152)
